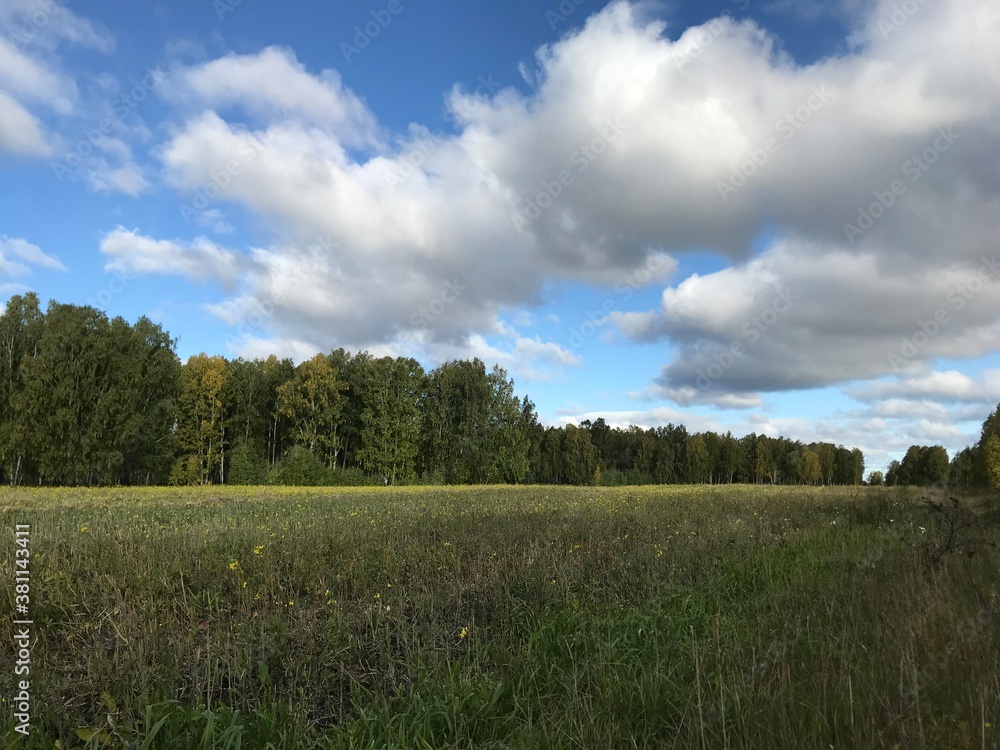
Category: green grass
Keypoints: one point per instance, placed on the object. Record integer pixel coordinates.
(506, 617)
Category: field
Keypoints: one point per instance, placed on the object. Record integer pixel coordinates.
(507, 617)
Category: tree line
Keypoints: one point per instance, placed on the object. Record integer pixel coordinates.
(975, 467)
(88, 400)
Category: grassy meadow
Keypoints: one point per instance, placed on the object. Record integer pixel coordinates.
(507, 617)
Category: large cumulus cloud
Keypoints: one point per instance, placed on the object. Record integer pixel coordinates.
(631, 145)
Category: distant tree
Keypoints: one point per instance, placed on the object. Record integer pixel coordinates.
(812, 472)
(729, 458)
(351, 369)
(533, 433)
(763, 460)
(970, 467)
(507, 444)
(802, 466)
(390, 418)
(475, 429)
(963, 468)
(827, 455)
(455, 415)
(20, 331)
(991, 460)
(935, 466)
(664, 468)
(923, 466)
(697, 469)
(252, 405)
(857, 466)
(276, 373)
(147, 385)
(313, 404)
(201, 420)
(747, 458)
(579, 458)
(991, 428)
(85, 399)
(849, 466)
(550, 465)
(93, 401)
(893, 474)
(875, 479)
(643, 454)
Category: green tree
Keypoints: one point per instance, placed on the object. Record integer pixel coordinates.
(313, 403)
(991, 428)
(276, 372)
(550, 465)
(893, 474)
(20, 330)
(697, 468)
(763, 460)
(300, 467)
(95, 404)
(451, 441)
(146, 384)
(247, 466)
(729, 458)
(579, 458)
(533, 433)
(924, 466)
(506, 432)
(827, 454)
(808, 467)
(391, 417)
(991, 460)
(664, 469)
(963, 468)
(935, 466)
(351, 369)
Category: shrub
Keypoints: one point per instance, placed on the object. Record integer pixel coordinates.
(300, 467)
(247, 466)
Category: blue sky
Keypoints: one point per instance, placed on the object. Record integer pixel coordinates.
(734, 215)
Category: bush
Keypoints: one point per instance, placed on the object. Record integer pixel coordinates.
(301, 468)
(353, 477)
(247, 466)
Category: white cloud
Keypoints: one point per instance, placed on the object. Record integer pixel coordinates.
(112, 168)
(201, 260)
(20, 131)
(802, 316)
(43, 24)
(273, 85)
(627, 139)
(21, 75)
(31, 75)
(528, 359)
(688, 396)
(950, 387)
(28, 254)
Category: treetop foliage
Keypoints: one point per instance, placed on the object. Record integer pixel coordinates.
(88, 400)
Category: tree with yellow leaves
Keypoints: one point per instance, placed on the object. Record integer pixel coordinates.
(201, 422)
